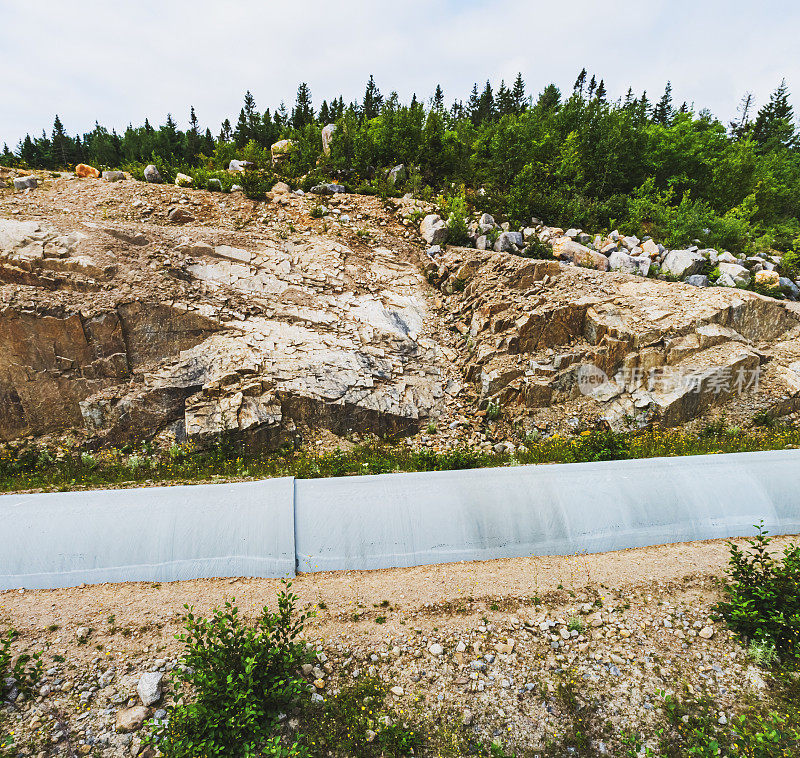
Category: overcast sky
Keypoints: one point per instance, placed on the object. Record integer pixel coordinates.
(117, 62)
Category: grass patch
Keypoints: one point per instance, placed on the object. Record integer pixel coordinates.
(32, 467)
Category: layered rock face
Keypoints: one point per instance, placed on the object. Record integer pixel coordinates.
(541, 335)
(267, 321)
(290, 332)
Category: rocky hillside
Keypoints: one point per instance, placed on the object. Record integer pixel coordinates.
(134, 311)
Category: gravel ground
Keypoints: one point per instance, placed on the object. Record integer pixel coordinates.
(493, 642)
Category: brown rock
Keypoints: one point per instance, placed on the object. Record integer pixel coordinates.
(580, 255)
(180, 215)
(83, 171)
(131, 719)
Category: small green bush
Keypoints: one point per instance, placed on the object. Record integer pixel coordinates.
(454, 208)
(25, 670)
(256, 184)
(764, 594)
(538, 250)
(234, 681)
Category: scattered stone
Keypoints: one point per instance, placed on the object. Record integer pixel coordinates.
(131, 719)
(26, 182)
(114, 176)
(179, 215)
(182, 180)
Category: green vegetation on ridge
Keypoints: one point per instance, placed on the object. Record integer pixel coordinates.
(571, 159)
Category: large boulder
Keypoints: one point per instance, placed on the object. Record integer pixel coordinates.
(327, 137)
(84, 171)
(768, 279)
(433, 229)
(327, 189)
(281, 151)
(26, 182)
(683, 263)
(182, 180)
(622, 262)
(508, 242)
(113, 176)
(580, 255)
(649, 247)
(630, 242)
(789, 288)
(152, 175)
(739, 274)
(697, 280)
(239, 167)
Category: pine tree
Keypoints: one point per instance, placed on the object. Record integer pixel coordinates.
(193, 147)
(148, 127)
(601, 92)
(580, 83)
(241, 134)
(474, 104)
(592, 86)
(226, 132)
(486, 107)
(281, 117)
(61, 146)
(324, 113)
(437, 102)
(371, 106)
(518, 94)
(549, 100)
(629, 99)
(774, 125)
(303, 113)
(663, 111)
(504, 101)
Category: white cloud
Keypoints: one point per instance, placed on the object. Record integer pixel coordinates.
(121, 61)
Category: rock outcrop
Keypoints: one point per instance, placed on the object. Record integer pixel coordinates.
(262, 321)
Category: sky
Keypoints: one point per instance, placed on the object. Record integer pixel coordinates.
(119, 61)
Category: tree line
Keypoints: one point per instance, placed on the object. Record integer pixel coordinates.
(573, 158)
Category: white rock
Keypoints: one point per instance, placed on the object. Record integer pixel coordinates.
(149, 687)
(327, 136)
(682, 263)
(433, 229)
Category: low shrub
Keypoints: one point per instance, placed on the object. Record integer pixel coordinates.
(538, 250)
(234, 681)
(763, 594)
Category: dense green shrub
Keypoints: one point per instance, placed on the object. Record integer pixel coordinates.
(234, 681)
(538, 250)
(763, 594)
(256, 184)
(455, 211)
